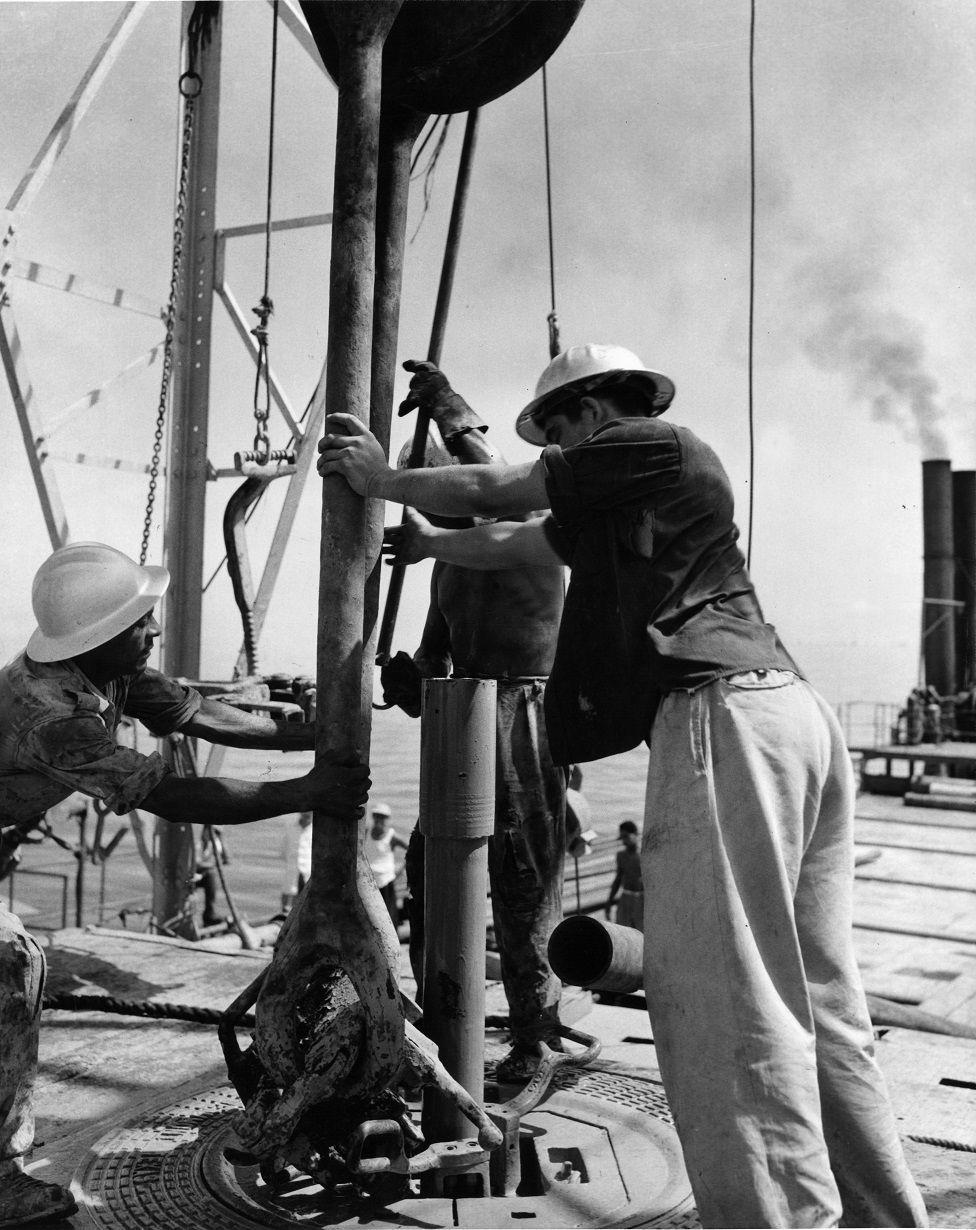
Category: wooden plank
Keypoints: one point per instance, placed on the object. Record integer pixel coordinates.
(910, 971)
(920, 817)
(937, 753)
(956, 999)
(928, 869)
(932, 1086)
(910, 910)
(915, 837)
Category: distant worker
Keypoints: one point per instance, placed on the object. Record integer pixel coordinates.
(502, 626)
(296, 853)
(60, 704)
(381, 843)
(628, 881)
(760, 1021)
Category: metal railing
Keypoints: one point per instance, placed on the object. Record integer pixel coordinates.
(867, 722)
(49, 875)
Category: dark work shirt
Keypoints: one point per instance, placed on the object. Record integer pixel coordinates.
(659, 597)
(57, 735)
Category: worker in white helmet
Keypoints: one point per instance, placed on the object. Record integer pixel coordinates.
(760, 1021)
(60, 703)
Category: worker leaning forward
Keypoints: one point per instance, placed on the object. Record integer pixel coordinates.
(759, 1018)
(60, 703)
(497, 625)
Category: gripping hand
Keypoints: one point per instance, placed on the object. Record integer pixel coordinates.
(401, 682)
(431, 390)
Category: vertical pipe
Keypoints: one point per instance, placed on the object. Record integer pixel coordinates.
(186, 460)
(938, 577)
(345, 911)
(457, 810)
(438, 329)
(964, 538)
(399, 129)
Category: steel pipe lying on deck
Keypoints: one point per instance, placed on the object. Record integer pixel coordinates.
(600, 956)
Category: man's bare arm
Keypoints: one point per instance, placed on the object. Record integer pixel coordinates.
(221, 723)
(502, 544)
(433, 656)
(339, 790)
(353, 453)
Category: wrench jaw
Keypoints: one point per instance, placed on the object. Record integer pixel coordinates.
(505, 1166)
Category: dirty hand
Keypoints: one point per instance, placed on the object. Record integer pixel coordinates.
(430, 389)
(350, 450)
(339, 789)
(401, 680)
(410, 542)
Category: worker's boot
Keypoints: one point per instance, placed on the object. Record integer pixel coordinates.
(521, 1062)
(26, 1201)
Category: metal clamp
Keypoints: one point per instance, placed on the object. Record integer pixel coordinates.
(505, 1163)
(449, 1155)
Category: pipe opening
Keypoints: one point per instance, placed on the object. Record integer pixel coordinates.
(580, 950)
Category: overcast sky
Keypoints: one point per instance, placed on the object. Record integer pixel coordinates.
(866, 169)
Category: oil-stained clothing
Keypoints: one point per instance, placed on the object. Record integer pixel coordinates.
(22, 971)
(526, 854)
(57, 735)
(759, 1017)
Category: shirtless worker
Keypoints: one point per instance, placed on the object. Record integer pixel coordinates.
(760, 1022)
(60, 704)
(498, 625)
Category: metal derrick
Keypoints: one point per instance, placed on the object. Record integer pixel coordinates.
(332, 1029)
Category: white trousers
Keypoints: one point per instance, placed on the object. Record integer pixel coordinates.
(759, 1017)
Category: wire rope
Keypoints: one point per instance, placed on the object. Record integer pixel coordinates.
(552, 319)
(752, 274)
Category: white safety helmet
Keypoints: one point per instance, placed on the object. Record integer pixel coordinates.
(85, 594)
(581, 369)
(435, 454)
(380, 809)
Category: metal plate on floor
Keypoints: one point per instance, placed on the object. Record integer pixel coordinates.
(605, 1148)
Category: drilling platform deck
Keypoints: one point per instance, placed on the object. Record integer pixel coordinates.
(132, 1111)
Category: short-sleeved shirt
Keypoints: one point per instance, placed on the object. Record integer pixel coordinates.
(659, 597)
(57, 735)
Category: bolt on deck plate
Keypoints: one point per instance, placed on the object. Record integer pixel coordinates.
(605, 1152)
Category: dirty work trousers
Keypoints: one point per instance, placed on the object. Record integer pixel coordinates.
(21, 990)
(526, 854)
(760, 1022)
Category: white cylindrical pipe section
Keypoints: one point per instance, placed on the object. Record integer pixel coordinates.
(457, 815)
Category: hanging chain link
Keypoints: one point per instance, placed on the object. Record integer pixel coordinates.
(189, 89)
(262, 380)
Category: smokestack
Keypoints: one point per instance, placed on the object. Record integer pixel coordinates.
(964, 542)
(938, 578)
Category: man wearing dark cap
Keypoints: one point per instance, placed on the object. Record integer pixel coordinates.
(760, 1021)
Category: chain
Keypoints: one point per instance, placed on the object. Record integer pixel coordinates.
(189, 89)
(262, 380)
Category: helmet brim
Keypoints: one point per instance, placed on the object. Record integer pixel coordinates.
(44, 648)
(528, 424)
